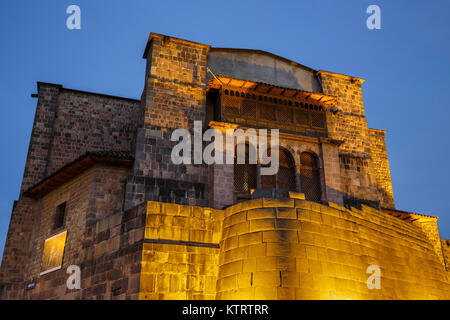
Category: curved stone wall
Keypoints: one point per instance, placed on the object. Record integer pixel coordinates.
(296, 249)
(286, 249)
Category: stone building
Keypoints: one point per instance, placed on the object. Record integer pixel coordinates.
(100, 191)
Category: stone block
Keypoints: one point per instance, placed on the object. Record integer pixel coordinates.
(261, 213)
(278, 249)
(231, 268)
(271, 203)
(280, 236)
(266, 293)
(261, 225)
(266, 263)
(230, 243)
(310, 227)
(257, 250)
(286, 293)
(304, 214)
(290, 279)
(227, 283)
(153, 207)
(250, 238)
(301, 265)
(239, 228)
(170, 208)
(289, 224)
(296, 195)
(286, 213)
(249, 264)
(266, 279)
(302, 204)
(244, 280)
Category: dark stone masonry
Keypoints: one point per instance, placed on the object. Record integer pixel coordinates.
(100, 191)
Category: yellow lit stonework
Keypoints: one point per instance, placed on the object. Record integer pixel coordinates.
(216, 247)
(53, 253)
(286, 249)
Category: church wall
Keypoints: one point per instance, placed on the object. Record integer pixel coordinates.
(165, 231)
(180, 254)
(69, 123)
(381, 167)
(330, 155)
(174, 99)
(41, 135)
(359, 171)
(445, 243)
(91, 123)
(15, 258)
(286, 249)
(295, 249)
(104, 241)
(76, 193)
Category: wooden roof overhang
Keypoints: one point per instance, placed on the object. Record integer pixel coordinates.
(71, 170)
(219, 81)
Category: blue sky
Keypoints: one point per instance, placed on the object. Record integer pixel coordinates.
(405, 64)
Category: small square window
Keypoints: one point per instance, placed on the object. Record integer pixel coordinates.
(60, 216)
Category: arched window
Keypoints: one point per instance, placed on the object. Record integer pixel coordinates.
(310, 177)
(244, 176)
(286, 172)
(285, 178)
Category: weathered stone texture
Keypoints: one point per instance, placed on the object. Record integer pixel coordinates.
(41, 135)
(175, 82)
(105, 242)
(174, 96)
(87, 122)
(141, 227)
(69, 123)
(180, 256)
(445, 244)
(16, 253)
(381, 167)
(304, 250)
(364, 169)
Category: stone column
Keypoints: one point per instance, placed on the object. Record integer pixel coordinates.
(298, 180)
(258, 176)
(323, 186)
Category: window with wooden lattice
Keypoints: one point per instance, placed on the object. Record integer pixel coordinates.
(310, 177)
(241, 106)
(244, 176)
(285, 177)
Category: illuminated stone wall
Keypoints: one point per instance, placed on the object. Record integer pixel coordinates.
(68, 123)
(363, 160)
(173, 98)
(446, 252)
(381, 167)
(104, 241)
(132, 241)
(16, 253)
(286, 249)
(180, 257)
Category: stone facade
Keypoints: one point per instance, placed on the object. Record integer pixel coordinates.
(141, 227)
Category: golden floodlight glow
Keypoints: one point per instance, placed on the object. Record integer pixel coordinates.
(53, 253)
